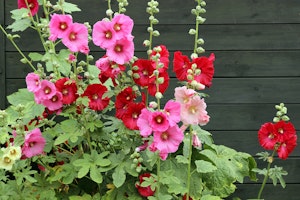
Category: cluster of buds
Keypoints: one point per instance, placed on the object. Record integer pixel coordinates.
(136, 161)
(281, 113)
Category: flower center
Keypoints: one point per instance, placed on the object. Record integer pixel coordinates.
(13, 152)
(47, 90)
(31, 5)
(31, 144)
(128, 98)
(164, 136)
(193, 109)
(63, 26)
(7, 160)
(65, 92)
(54, 98)
(72, 36)
(118, 48)
(117, 27)
(95, 97)
(280, 130)
(159, 119)
(271, 136)
(135, 115)
(145, 72)
(108, 34)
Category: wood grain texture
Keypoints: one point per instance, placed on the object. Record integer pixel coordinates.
(2, 59)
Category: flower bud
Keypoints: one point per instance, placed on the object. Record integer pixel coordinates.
(150, 29)
(192, 31)
(203, 3)
(23, 60)
(136, 76)
(156, 33)
(194, 66)
(197, 72)
(194, 83)
(160, 80)
(146, 43)
(200, 50)
(200, 41)
(109, 12)
(158, 95)
(194, 55)
(189, 77)
(276, 119)
(153, 104)
(200, 86)
(129, 72)
(285, 118)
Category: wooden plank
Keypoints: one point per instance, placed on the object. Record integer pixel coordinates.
(217, 37)
(178, 11)
(2, 59)
(227, 64)
(250, 191)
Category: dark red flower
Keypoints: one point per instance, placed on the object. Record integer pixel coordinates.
(95, 92)
(267, 136)
(131, 115)
(284, 130)
(144, 71)
(144, 191)
(164, 57)
(206, 65)
(184, 197)
(68, 90)
(126, 96)
(33, 5)
(181, 64)
(287, 146)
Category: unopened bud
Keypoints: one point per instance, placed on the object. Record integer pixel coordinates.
(285, 118)
(156, 33)
(146, 43)
(136, 76)
(192, 31)
(109, 12)
(160, 80)
(158, 95)
(189, 77)
(276, 119)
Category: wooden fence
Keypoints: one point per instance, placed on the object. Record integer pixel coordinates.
(257, 48)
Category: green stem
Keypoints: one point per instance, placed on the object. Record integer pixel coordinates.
(109, 8)
(10, 38)
(197, 32)
(158, 175)
(266, 176)
(189, 164)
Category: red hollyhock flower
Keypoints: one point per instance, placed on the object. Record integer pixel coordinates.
(284, 130)
(162, 87)
(68, 90)
(126, 96)
(287, 146)
(184, 198)
(181, 64)
(164, 56)
(95, 92)
(144, 191)
(145, 70)
(131, 115)
(267, 136)
(33, 5)
(206, 65)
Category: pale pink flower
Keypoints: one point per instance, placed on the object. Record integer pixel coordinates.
(194, 111)
(76, 38)
(196, 141)
(47, 91)
(59, 25)
(122, 51)
(55, 102)
(103, 34)
(122, 25)
(167, 141)
(33, 82)
(143, 123)
(183, 94)
(159, 121)
(172, 109)
(34, 143)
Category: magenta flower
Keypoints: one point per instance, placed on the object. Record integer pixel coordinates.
(104, 34)
(34, 143)
(172, 109)
(122, 25)
(55, 103)
(143, 123)
(76, 38)
(122, 51)
(33, 82)
(59, 25)
(159, 121)
(167, 141)
(47, 91)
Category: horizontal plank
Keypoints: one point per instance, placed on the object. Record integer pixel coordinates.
(217, 37)
(224, 116)
(179, 12)
(227, 64)
(2, 59)
(250, 191)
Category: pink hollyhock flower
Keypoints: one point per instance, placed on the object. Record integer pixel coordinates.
(76, 38)
(172, 109)
(267, 136)
(196, 141)
(122, 51)
(144, 70)
(95, 92)
(68, 90)
(33, 5)
(287, 146)
(132, 114)
(55, 102)
(152, 88)
(194, 111)
(33, 82)
(47, 91)
(34, 143)
(168, 141)
(143, 123)
(103, 34)
(181, 65)
(122, 25)
(183, 94)
(206, 65)
(159, 121)
(144, 191)
(59, 25)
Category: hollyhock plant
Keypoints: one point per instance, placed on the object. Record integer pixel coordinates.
(97, 119)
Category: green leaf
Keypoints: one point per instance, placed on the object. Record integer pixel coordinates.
(18, 14)
(182, 159)
(83, 171)
(35, 56)
(95, 174)
(204, 166)
(22, 96)
(210, 197)
(83, 197)
(61, 139)
(70, 7)
(119, 176)
(94, 71)
(20, 25)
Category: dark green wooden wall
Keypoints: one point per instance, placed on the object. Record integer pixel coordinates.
(257, 48)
